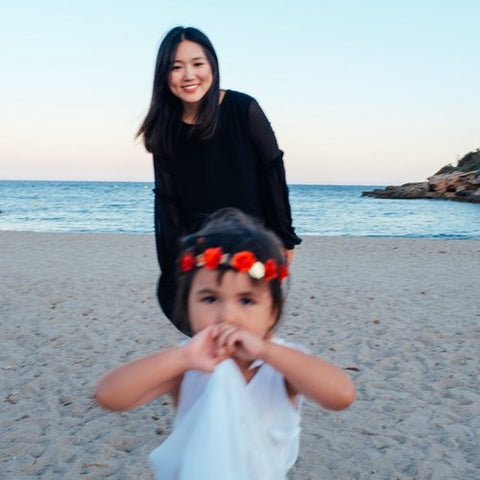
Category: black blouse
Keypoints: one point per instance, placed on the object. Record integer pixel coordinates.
(240, 167)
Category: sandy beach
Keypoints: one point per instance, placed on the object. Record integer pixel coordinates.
(401, 315)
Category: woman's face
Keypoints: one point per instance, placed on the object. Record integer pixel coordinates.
(191, 75)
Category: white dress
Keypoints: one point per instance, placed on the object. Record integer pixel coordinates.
(228, 429)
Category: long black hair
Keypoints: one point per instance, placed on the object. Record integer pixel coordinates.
(162, 122)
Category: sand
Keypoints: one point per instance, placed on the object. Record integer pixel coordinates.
(401, 315)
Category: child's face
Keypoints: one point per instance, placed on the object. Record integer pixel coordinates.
(235, 300)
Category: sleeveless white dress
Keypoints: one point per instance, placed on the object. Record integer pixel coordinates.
(228, 429)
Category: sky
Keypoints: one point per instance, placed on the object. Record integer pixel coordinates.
(369, 92)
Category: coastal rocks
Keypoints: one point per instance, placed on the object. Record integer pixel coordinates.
(406, 191)
(460, 183)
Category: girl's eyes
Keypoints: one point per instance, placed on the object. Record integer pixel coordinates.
(212, 298)
(209, 299)
(247, 301)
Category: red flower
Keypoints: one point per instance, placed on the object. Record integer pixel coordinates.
(243, 261)
(187, 262)
(283, 273)
(212, 257)
(271, 270)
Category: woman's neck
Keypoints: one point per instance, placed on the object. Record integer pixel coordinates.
(190, 110)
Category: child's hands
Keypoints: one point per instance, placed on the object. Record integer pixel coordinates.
(202, 352)
(216, 343)
(235, 342)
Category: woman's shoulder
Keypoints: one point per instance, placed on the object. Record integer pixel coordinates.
(239, 105)
(238, 97)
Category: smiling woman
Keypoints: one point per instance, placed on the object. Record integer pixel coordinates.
(211, 148)
(190, 78)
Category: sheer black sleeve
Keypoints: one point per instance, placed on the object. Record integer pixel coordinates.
(273, 185)
(169, 225)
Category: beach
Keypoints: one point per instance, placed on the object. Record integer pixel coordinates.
(401, 315)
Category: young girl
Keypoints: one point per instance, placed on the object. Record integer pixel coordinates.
(212, 148)
(237, 389)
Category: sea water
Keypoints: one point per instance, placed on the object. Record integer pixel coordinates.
(127, 207)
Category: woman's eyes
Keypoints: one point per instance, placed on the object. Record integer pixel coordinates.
(179, 67)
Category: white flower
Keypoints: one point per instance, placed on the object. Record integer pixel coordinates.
(257, 270)
(199, 260)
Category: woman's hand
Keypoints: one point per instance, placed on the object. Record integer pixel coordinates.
(289, 256)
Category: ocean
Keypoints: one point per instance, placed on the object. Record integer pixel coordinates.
(127, 207)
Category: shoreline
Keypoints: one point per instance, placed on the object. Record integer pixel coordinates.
(302, 235)
(317, 210)
(401, 315)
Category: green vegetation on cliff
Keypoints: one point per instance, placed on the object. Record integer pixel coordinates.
(468, 163)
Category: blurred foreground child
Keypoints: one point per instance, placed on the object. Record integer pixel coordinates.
(237, 388)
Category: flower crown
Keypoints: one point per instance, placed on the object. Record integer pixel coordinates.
(244, 262)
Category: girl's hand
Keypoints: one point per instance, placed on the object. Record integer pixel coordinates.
(202, 351)
(233, 341)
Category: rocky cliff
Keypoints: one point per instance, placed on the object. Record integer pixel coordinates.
(460, 183)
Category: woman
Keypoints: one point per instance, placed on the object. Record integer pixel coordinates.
(211, 149)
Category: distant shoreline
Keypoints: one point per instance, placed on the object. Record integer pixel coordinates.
(304, 236)
(328, 210)
(149, 182)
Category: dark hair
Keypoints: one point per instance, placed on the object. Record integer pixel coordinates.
(234, 232)
(161, 125)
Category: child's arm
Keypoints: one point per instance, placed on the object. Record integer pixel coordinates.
(145, 379)
(311, 376)
(317, 379)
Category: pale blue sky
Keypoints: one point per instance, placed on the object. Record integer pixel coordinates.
(358, 92)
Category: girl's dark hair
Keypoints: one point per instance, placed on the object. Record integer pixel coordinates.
(161, 125)
(234, 232)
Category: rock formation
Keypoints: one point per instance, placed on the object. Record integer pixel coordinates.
(460, 183)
